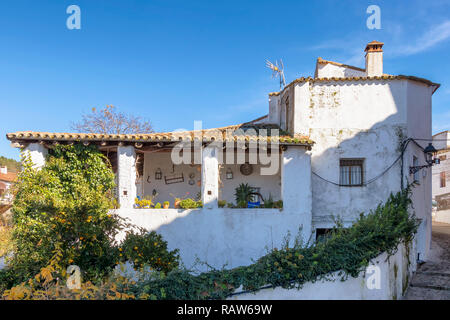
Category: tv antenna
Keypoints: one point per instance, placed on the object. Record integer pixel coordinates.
(277, 71)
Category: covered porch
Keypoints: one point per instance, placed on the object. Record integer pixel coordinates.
(158, 166)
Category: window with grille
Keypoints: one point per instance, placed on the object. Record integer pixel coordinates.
(443, 179)
(351, 172)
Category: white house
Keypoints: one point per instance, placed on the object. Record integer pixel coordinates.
(441, 177)
(331, 146)
(6, 180)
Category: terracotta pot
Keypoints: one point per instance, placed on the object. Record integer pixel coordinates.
(165, 206)
(176, 204)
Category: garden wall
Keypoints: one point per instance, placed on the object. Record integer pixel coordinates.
(442, 216)
(394, 273)
(218, 236)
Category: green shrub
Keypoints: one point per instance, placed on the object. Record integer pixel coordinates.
(222, 203)
(158, 206)
(65, 204)
(148, 249)
(190, 204)
(348, 250)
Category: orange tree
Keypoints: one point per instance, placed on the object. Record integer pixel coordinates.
(65, 205)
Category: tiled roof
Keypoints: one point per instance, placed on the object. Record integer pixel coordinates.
(228, 133)
(8, 177)
(348, 79)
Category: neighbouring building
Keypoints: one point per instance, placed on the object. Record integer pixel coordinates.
(6, 180)
(441, 177)
(343, 141)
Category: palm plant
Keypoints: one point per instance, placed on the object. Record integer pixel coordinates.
(243, 194)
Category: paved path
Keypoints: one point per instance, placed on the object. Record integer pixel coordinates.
(432, 279)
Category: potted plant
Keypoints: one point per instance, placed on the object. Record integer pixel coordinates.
(243, 194)
(166, 204)
(176, 202)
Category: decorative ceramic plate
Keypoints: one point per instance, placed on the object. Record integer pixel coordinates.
(246, 169)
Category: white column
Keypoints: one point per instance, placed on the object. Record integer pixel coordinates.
(37, 153)
(296, 186)
(126, 176)
(210, 177)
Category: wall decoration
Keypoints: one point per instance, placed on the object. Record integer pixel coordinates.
(246, 169)
(191, 182)
(158, 174)
(229, 174)
(192, 175)
(174, 178)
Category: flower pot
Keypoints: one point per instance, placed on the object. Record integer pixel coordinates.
(176, 204)
(165, 206)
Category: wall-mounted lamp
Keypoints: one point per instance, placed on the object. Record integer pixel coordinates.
(158, 174)
(430, 153)
(229, 173)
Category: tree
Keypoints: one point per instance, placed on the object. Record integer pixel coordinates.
(65, 206)
(13, 165)
(109, 121)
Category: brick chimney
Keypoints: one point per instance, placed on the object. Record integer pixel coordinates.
(374, 59)
(4, 169)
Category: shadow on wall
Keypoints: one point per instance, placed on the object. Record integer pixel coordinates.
(372, 156)
(235, 237)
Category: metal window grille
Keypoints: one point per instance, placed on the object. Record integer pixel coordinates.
(351, 172)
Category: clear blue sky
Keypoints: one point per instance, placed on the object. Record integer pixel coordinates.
(174, 62)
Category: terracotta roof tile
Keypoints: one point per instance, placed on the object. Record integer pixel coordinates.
(348, 79)
(8, 177)
(229, 133)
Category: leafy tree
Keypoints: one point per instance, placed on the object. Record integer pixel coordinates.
(63, 210)
(109, 121)
(13, 165)
(65, 205)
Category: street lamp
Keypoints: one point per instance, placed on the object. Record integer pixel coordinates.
(429, 152)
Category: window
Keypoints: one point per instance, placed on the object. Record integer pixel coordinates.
(442, 175)
(351, 172)
(416, 164)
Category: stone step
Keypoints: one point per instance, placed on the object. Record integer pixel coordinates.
(416, 293)
(434, 280)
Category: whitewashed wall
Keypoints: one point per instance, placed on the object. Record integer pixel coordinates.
(269, 184)
(436, 180)
(218, 236)
(361, 119)
(162, 160)
(442, 216)
(395, 273)
(328, 70)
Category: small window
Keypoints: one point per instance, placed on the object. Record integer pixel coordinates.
(322, 233)
(416, 164)
(351, 172)
(442, 175)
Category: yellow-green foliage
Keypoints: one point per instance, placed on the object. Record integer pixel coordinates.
(6, 243)
(66, 202)
(47, 285)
